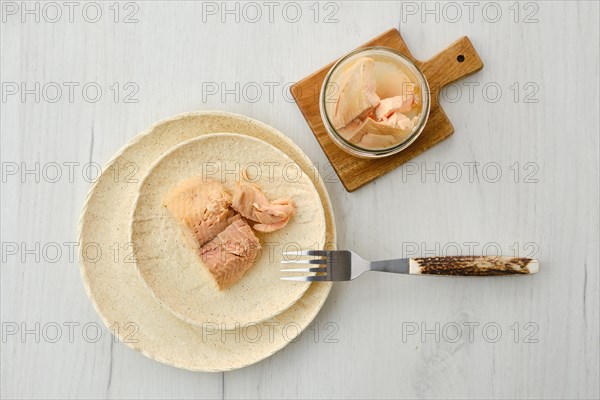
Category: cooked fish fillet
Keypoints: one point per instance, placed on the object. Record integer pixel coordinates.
(201, 205)
(230, 254)
(389, 106)
(252, 204)
(357, 97)
(379, 134)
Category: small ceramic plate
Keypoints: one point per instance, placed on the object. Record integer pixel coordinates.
(174, 271)
(120, 296)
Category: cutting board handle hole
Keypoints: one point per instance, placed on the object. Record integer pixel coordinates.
(460, 58)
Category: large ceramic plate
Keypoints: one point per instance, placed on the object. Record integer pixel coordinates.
(119, 294)
(174, 271)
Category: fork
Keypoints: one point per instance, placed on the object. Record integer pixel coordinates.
(344, 265)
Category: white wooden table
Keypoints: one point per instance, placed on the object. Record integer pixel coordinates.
(530, 115)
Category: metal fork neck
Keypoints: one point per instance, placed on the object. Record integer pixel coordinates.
(397, 266)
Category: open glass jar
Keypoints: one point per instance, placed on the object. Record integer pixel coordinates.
(374, 102)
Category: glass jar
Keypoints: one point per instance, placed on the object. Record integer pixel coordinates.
(385, 55)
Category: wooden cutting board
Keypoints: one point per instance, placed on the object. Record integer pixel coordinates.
(457, 61)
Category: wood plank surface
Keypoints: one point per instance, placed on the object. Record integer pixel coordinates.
(521, 174)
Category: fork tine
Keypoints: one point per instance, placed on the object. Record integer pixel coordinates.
(311, 278)
(320, 253)
(319, 261)
(304, 270)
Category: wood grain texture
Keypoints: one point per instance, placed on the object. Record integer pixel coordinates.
(441, 70)
(473, 266)
(359, 346)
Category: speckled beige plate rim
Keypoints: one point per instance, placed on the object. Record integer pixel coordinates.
(316, 293)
